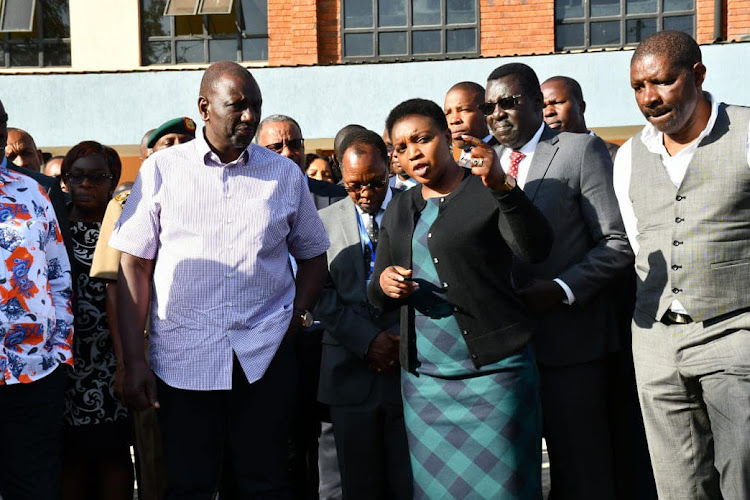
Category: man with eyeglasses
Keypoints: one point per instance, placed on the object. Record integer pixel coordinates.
(283, 135)
(569, 178)
(36, 325)
(359, 371)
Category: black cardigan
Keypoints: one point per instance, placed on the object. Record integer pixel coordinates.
(472, 243)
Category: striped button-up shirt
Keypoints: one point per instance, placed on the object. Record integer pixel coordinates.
(36, 320)
(221, 236)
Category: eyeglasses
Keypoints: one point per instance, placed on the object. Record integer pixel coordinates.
(357, 188)
(506, 103)
(278, 147)
(92, 178)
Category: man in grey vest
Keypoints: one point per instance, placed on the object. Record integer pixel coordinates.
(683, 185)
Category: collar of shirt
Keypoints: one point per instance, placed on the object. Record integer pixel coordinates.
(654, 140)
(211, 159)
(379, 215)
(527, 149)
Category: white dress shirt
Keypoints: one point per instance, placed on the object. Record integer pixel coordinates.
(676, 167)
(523, 172)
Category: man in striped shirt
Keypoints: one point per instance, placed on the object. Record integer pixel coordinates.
(225, 308)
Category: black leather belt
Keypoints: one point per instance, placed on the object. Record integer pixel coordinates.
(673, 318)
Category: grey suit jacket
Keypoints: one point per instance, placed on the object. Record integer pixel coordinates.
(570, 181)
(350, 324)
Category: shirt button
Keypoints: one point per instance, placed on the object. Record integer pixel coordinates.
(464, 332)
(675, 267)
(429, 235)
(435, 260)
(229, 221)
(676, 243)
(679, 198)
(229, 304)
(442, 200)
(230, 275)
(229, 195)
(474, 356)
(445, 285)
(676, 290)
(678, 219)
(455, 309)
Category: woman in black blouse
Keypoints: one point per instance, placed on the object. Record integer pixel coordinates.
(444, 256)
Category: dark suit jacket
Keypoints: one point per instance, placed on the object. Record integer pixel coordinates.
(570, 181)
(350, 325)
(325, 193)
(51, 186)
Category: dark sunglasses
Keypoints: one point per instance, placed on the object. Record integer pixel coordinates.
(92, 178)
(357, 188)
(278, 147)
(506, 103)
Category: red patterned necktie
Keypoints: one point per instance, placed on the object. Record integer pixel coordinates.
(515, 160)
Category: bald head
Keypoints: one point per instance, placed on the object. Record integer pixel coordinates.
(679, 48)
(219, 70)
(21, 150)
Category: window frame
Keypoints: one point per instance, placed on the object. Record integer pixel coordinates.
(409, 28)
(205, 37)
(623, 19)
(7, 43)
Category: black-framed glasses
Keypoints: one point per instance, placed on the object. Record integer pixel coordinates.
(373, 185)
(97, 179)
(294, 144)
(506, 103)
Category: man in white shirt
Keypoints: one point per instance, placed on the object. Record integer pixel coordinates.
(682, 185)
(569, 178)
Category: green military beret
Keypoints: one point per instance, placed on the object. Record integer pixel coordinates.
(182, 125)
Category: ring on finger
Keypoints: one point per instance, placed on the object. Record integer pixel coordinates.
(477, 162)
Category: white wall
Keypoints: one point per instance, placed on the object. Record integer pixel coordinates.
(117, 108)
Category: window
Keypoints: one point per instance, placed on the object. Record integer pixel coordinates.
(48, 42)
(398, 29)
(583, 24)
(240, 36)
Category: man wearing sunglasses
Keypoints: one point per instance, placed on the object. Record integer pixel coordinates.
(359, 371)
(569, 178)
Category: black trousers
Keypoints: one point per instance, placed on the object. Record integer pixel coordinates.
(250, 420)
(371, 445)
(576, 428)
(31, 438)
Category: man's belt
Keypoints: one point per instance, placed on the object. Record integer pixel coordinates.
(673, 318)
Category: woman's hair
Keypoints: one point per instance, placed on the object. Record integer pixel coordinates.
(419, 107)
(90, 148)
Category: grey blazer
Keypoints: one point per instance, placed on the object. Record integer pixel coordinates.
(350, 324)
(570, 182)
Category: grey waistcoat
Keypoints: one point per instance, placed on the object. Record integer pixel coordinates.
(695, 240)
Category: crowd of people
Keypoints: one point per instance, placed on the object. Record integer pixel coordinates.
(407, 318)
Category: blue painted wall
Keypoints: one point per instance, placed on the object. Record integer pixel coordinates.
(117, 108)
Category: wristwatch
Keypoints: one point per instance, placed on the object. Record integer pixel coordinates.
(305, 316)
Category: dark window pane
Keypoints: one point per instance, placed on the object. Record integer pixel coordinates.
(392, 13)
(425, 42)
(640, 6)
(390, 44)
(215, 7)
(153, 22)
(190, 51)
(460, 11)
(2, 56)
(358, 44)
(601, 8)
(57, 54)
(357, 13)
(425, 12)
(188, 25)
(568, 36)
(461, 40)
(255, 16)
(55, 19)
(255, 49)
(157, 53)
(638, 29)
(222, 50)
(567, 9)
(672, 5)
(680, 23)
(181, 7)
(24, 54)
(18, 15)
(222, 25)
(605, 33)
